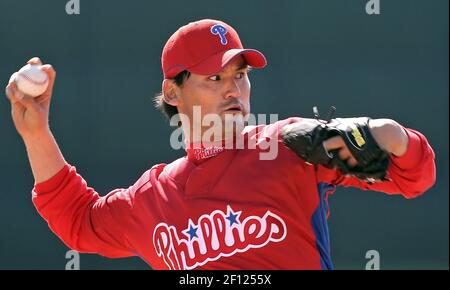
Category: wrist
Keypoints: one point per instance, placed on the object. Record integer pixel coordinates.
(36, 136)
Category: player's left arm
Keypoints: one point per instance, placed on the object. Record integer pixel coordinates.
(389, 135)
(412, 167)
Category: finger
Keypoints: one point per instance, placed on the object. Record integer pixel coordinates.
(352, 162)
(51, 73)
(13, 94)
(11, 85)
(8, 93)
(42, 98)
(17, 97)
(35, 60)
(49, 70)
(344, 154)
(334, 143)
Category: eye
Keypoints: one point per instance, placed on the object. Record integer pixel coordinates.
(240, 75)
(214, 78)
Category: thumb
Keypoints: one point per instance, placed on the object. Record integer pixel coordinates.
(18, 98)
(12, 93)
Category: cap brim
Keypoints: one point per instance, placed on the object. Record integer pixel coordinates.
(217, 62)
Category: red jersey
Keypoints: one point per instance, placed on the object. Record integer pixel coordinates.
(220, 208)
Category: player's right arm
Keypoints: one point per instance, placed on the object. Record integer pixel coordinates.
(30, 117)
(85, 221)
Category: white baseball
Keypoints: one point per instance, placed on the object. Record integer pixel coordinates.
(31, 80)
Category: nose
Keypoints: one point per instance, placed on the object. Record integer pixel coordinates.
(232, 90)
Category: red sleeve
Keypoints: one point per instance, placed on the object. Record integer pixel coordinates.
(411, 174)
(82, 219)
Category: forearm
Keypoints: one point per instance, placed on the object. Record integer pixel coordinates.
(410, 174)
(389, 135)
(44, 155)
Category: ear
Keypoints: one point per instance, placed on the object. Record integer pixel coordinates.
(169, 90)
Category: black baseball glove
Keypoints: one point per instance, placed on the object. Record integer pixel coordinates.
(306, 139)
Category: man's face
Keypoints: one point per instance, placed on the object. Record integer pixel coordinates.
(226, 93)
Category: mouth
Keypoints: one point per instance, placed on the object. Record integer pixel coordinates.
(234, 109)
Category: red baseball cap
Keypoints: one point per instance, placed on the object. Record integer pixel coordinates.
(205, 47)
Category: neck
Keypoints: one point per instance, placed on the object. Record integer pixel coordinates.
(200, 151)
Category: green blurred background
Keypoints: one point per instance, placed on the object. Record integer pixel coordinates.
(320, 52)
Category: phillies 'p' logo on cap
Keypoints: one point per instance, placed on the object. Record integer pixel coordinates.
(205, 47)
(221, 31)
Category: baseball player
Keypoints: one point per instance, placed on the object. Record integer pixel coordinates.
(221, 207)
